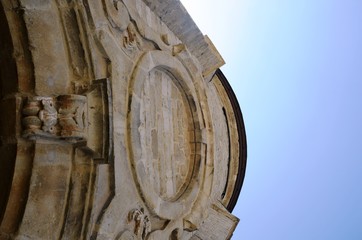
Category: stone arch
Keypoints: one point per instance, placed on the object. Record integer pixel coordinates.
(8, 71)
(8, 84)
(16, 77)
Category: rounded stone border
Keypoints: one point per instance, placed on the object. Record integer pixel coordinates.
(237, 183)
(175, 208)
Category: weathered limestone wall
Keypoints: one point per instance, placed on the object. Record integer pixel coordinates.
(118, 124)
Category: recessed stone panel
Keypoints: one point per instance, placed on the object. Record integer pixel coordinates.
(165, 124)
(162, 134)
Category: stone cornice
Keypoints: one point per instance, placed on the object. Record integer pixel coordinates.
(179, 21)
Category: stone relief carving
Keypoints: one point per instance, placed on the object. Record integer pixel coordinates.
(172, 231)
(48, 115)
(176, 49)
(117, 14)
(72, 115)
(55, 117)
(142, 223)
(168, 164)
(120, 20)
(131, 40)
(126, 35)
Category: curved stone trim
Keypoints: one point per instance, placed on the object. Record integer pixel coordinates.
(237, 185)
(115, 124)
(170, 187)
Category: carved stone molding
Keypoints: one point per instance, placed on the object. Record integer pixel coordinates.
(163, 92)
(73, 118)
(122, 131)
(131, 39)
(142, 224)
(62, 117)
(100, 119)
(117, 14)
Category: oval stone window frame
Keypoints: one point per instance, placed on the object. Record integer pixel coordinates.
(181, 203)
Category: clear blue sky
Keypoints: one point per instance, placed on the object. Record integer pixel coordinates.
(296, 68)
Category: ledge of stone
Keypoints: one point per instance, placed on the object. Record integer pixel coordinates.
(178, 20)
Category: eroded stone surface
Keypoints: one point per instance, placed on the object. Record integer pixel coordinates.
(118, 126)
(166, 133)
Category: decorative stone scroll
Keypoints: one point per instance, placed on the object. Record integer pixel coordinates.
(119, 19)
(141, 226)
(131, 40)
(117, 14)
(142, 223)
(62, 117)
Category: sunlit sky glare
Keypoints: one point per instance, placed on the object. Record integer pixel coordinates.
(296, 68)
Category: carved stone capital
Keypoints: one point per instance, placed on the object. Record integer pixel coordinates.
(61, 117)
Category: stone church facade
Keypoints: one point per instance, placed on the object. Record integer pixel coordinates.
(116, 123)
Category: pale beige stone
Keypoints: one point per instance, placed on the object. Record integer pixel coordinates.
(116, 124)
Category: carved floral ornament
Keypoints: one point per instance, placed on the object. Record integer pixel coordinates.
(120, 20)
(140, 223)
(74, 118)
(117, 14)
(55, 117)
